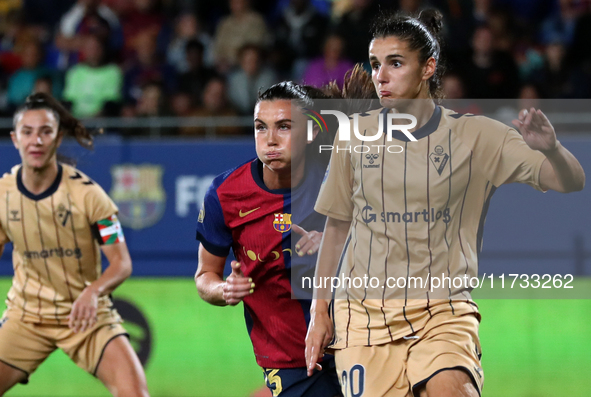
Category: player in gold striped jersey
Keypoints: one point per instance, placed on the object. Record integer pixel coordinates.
(57, 218)
(414, 214)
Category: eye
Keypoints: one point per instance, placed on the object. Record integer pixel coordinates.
(260, 127)
(395, 64)
(284, 127)
(375, 66)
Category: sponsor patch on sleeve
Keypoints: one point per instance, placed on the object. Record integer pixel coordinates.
(109, 231)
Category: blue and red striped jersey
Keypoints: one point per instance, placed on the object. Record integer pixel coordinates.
(240, 213)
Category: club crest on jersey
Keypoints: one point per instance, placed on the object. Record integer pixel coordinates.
(137, 190)
(439, 159)
(282, 222)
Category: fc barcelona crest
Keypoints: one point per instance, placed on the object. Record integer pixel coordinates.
(282, 222)
(137, 190)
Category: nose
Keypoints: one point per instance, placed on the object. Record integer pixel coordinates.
(381, 76)
(272, 137)
(39, 140)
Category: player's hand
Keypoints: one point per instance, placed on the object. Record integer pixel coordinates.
(236, 286)
(536, 129)
(84, 311)
(309, 243)
(320, 332)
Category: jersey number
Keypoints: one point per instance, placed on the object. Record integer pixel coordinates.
(353, 381)
(273, 381)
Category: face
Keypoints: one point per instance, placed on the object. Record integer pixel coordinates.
(37, 138)
(280, 135)
(396, 71)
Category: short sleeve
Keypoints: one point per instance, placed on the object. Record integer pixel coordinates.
(212, 230)
(335, 199)
(504, 157)
(98, 204)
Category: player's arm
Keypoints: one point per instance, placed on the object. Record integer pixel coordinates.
(561, 171)
(84, 309)
(210, 283)
(320, 330)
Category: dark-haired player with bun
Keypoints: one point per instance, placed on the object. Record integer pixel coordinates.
(59, 221)
(413, 215)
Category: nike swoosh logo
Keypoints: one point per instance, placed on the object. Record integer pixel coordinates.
(243, 214)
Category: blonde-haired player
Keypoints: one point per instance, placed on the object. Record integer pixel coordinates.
(57, 218)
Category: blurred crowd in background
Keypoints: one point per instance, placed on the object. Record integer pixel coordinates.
(150, 58)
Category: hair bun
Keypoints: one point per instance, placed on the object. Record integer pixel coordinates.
(432, 19)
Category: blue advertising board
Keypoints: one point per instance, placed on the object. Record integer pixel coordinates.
(159, 186)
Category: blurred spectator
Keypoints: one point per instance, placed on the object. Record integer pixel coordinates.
(181, 104)
(144, 16)
(45, 13)
(355, 28)
(188, 28)
(146, 67)
(330, 67)
(486, 72)
(43, 84)
(86, 17)
(21, 83)
(560, 26)
(459, 23)
(298, 36)
(455, 95)
(242, 26)
(152, 102)
(196, 77)
(245, 82)
(410, 7)
(94, 83)
(555, 74)
(215, 104)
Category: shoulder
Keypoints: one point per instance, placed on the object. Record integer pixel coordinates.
(238, 173)
(78, 182)
(469, 127)
(8, 179)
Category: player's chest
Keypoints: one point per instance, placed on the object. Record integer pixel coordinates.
(435, 163)
(52, 218)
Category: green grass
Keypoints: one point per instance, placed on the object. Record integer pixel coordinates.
(531, 347)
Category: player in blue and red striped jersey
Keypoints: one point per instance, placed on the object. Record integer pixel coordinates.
(253, 210)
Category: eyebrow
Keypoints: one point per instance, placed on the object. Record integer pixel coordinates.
(389, 57)
(277, 122)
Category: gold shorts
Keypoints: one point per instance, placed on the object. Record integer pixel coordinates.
(402, 367)
(25, 346)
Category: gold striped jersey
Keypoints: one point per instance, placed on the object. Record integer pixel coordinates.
(55, 252)
(417, 210)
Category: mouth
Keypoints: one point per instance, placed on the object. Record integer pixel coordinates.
(273, 155)
(36, 153)
(385, 94)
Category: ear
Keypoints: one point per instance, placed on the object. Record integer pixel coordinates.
(13, 137)
(315, 131)
(429, 68)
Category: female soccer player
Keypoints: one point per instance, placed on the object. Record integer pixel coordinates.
(253, 210)
(417, 214)
(57, 218)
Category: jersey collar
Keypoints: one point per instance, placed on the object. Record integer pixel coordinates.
(50, 190)
(427, 129)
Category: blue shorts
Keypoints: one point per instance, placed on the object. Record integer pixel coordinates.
(294, 382)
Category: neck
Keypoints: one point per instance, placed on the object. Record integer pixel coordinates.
(285, 179)
(38, 180)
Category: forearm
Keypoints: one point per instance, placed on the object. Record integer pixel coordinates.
(331, 247)
(209, 286)
(115, 274)
(568, 175)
